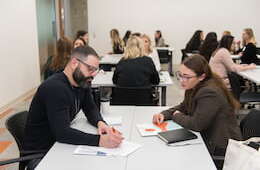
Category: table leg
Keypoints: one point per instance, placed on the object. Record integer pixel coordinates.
(163, 96)
(170, 65)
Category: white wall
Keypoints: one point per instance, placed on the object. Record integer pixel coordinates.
(19, 66)
(177, 19)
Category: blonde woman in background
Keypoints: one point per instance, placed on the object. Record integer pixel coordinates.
(117, 42)
(135, 69)
(248, 52)
(150, 52)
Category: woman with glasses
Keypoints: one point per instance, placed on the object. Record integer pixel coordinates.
(208, 107)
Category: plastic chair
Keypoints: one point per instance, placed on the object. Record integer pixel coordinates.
(16, 125)
(250, 125)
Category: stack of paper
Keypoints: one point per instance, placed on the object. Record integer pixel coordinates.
(113, 120)
(124, 149)
(150, 129)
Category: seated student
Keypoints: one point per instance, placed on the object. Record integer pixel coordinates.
(248, 52)
(84, 35)
(151, 52)
(127, 35)
(226, 32)
(195, 42)
(221, 63)
(208, 107)
(117, 43)
(79, 42)
(209, 45)
(135, 69)
(58, 62)
(159, 40)
(59, 99)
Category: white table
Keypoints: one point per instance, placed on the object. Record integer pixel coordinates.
(252, 75)
(104, 79)
(153, 155)
(112, 59)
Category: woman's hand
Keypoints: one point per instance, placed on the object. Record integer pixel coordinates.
(158, 118)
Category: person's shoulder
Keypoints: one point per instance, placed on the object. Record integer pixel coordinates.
(55, 84)
(251, 45)
(146, 59)
(208, 91)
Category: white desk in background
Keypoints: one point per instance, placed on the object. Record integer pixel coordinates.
(252, 75)
(112, 59)
(105, 80)
(153, 155)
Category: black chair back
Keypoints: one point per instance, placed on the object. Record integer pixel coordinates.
(235, 84)
(258, 50)
(138, 96)
(184, 55)
(16, 125)
(164, 55)
(250, 125)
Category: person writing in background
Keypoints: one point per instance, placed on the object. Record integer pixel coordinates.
(59, 99)
(208, 107)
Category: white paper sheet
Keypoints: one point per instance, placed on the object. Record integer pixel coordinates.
(124, 149)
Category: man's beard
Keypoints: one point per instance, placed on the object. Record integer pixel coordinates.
(81, 80)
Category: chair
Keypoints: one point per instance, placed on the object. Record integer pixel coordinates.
(164, 55)
(16, 125)
(258, 50)
(184, 55)
(250, 125)
(138, 96)
(243, 97)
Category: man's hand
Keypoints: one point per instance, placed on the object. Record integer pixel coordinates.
(111, 139)
(103, 128)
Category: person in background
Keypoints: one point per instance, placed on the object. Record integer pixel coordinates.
(195, 42)
(137, 34)
(150, 52)
(209, 45)
(221, 63)
(159, 40)
(79, 42)
(84, 35)
(208, 107)
(135, 69)
(226, 32)
(127, 35)
(58, 62)
(248, 52)
(117, 42)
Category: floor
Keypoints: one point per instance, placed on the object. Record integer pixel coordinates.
(8, 148)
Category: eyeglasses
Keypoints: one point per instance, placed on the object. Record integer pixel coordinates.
(91, 68)
(182, 77)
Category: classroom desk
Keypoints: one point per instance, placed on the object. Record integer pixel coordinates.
(105, 80)
(112, 59)
(153, 155)
(252, 75)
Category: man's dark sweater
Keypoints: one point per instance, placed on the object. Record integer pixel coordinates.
(53, 107)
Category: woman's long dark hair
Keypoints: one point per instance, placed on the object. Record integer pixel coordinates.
(195, 42)
(226, 42)
(209, 45)
(200, 66)
(63, 52)
(160, 35)
(127, 35)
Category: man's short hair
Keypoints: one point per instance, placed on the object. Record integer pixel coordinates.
(83, 52)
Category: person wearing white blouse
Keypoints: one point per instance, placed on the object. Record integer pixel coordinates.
(150, 52)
